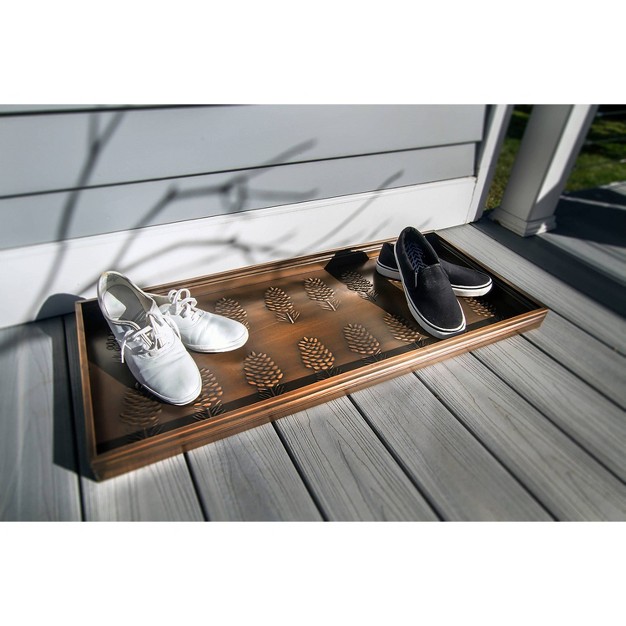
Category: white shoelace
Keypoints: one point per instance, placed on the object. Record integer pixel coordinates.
(152, 334)
(184, 304)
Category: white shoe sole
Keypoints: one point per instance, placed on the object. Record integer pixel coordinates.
(471, 292)
(241, 341)
(463, 292)
(176, 401)
(388, 272)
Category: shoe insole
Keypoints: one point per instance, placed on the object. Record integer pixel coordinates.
(416, 255)
(123, 304)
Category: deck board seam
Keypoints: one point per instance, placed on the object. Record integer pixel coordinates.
(420, 489)
(577, 443)
(196, 489)
(571, 371)
(504, 465)
(299, 470)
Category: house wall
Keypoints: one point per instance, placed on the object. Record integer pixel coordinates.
(165, 193)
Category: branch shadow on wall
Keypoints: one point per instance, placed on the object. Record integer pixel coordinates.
(234, 195)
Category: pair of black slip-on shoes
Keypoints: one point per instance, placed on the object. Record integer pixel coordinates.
(430, 283)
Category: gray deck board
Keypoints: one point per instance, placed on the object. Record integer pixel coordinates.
(349, 469)
(594, 422)
(554, 293)
(530, 427)
(564, 477)
(571, 269)
(250, 477)
(603, 259)
(37, 458)
(597, 364)
(457, 472)
(162, 491)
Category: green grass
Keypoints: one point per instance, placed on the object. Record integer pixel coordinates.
(601, 161)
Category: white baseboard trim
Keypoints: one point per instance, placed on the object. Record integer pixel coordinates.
(43, 280)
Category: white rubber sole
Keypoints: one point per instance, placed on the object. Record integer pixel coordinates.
(233, 346)
(463, 292)
(471, 292)
(388, 272)
(174, 401)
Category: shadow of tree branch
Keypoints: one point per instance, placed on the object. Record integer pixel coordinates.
(96, 144)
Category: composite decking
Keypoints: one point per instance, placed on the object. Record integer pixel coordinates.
(529, 428)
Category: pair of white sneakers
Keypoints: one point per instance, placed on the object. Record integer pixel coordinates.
(155, 331)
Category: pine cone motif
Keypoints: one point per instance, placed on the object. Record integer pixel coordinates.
(263, 373)
(320, 292)
(315, 355)
(140, 409)
(356, 282)
(402, 330)
(208, 404)
(360, 340)
(481, 307)
(232, 309)
(279, 302)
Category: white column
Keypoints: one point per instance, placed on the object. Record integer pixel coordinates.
(495, 133)
(551, 143)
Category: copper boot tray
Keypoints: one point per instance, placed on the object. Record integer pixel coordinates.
(320, 326)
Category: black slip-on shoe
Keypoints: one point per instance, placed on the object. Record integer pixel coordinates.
(426, 286)
(465, 281)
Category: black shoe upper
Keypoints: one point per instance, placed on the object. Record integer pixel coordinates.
(386, 256)
(459, 276)
(465, 276)
(426, 283)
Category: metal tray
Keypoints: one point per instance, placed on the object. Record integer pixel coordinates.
(320, 326)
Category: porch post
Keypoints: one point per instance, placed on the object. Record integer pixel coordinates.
(551, 143)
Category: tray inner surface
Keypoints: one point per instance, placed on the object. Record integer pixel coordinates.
(307, 323)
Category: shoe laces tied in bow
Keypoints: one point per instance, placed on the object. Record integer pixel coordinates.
(184, 305)
(153, 335)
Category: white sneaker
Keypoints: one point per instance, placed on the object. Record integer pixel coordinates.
(150, 342)
(200, 330)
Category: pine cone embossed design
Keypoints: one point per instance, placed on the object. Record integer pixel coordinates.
(232, 309)
(141, 412)
(361, 341)
(280, 303)
(315, 355)
(209, 403)
(355, 281)
(402, 330)
(320, 292)
(482, 308)
(263, 373)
